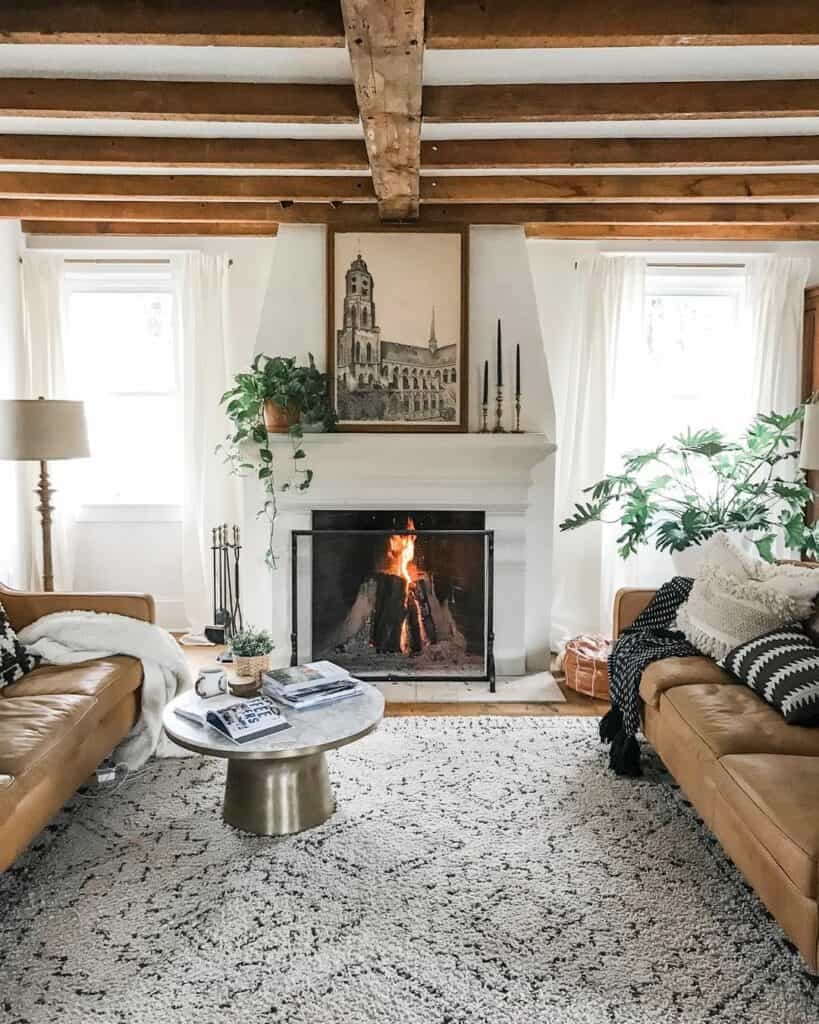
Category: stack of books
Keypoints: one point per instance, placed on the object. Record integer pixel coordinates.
(309, 686)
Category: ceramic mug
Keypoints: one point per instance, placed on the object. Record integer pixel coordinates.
(211, 682)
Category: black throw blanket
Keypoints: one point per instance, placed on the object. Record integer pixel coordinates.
(649, 638)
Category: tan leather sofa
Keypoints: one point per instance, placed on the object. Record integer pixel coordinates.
(58, 724)
(753, 778)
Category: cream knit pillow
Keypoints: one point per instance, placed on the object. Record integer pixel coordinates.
(738, 597)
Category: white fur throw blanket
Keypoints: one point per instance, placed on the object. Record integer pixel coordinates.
(737, 597)
(66, 638)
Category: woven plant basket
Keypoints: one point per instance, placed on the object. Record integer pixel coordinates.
(585, 664)
(252, 667)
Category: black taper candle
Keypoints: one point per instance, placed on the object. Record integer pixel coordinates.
(485, 381)
(500, 357)
(517, 371)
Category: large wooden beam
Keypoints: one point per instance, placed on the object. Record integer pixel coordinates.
(48, 227)
(177, 101)
(176, 22)
(365, 214)
(97, 151)
(678, 232)
(595, 188)
(466, 25)
(591, 188)
(194, 187)
(453, 24)
(552, 154)
(385, 39)
(621, 101)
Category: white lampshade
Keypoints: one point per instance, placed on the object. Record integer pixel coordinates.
(809, 453)
(42, 429)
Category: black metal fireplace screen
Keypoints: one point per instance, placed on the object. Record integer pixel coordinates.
(396, 604)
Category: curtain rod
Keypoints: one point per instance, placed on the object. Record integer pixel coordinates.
(695, 266)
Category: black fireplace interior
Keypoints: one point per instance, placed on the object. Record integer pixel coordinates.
(398, 605)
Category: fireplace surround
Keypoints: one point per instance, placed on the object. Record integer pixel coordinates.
(397, 594)
(506, 477)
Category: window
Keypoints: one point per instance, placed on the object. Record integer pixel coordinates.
(693, 367)
(122, 358)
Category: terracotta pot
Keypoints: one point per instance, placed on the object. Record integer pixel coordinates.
(277, 419)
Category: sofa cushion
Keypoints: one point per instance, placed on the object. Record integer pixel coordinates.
(783, 668)
(15, 661)
(733, 720)
(670, 672)
(33, 729)
(777, 797)
(106, 679)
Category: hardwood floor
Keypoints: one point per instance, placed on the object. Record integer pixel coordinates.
(575, 706)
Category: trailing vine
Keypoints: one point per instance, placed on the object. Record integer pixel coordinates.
(302, 391)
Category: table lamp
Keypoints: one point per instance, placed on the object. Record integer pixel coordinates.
(40, 430)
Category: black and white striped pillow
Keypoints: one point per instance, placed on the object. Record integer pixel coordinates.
(783, 668)
(15, 661)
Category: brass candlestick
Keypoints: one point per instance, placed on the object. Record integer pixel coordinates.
(484, 415)
(517, 429)
(498, 428)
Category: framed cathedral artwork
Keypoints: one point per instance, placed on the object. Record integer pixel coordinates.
(397, 348)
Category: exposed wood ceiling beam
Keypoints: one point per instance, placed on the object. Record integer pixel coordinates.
(195, 187)
(591, 188)
(466, 25)
(361, 214)
(47, 227)
(94, 151)
(620, 101)
(174, 22)
(678, 232)
(546, 154)
(595, 188)
(177, 101)
(452, 24)
(385, 39)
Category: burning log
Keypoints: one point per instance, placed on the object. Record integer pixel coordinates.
(422, 589)
(388, 613)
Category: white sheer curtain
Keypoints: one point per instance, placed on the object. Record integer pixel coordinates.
(44, 374)
(775, 299)
(595, 382)
(211, 494)
(775, 302)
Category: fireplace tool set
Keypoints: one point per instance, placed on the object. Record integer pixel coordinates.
(227, 610)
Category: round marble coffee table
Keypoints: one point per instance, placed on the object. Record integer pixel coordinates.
(279, 784)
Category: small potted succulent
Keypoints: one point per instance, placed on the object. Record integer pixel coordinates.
(251, 652)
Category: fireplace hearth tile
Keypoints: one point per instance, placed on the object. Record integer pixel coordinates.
(535, 688)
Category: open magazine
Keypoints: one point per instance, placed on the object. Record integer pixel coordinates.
(310, 685)
(240, 720)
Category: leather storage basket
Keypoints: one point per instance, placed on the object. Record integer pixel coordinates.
(585, 664)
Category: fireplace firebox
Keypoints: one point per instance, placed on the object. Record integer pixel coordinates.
(396, 595)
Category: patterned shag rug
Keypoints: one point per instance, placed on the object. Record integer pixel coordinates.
(477, 871)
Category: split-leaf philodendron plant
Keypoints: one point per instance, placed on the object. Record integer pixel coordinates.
(300, 388)
(679, 494)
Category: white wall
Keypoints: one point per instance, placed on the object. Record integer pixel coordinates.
(139, 547)
(13, 558)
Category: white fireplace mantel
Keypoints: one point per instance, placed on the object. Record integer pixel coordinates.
(386, 470)
(418, 471)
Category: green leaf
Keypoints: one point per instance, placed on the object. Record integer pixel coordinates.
(299, 454)
(265, 472)
(265, 455)
(764, 546)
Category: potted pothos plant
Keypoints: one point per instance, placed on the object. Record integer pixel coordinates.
(679, 494)
(277, 395)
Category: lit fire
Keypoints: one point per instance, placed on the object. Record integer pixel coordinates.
(401, 553)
